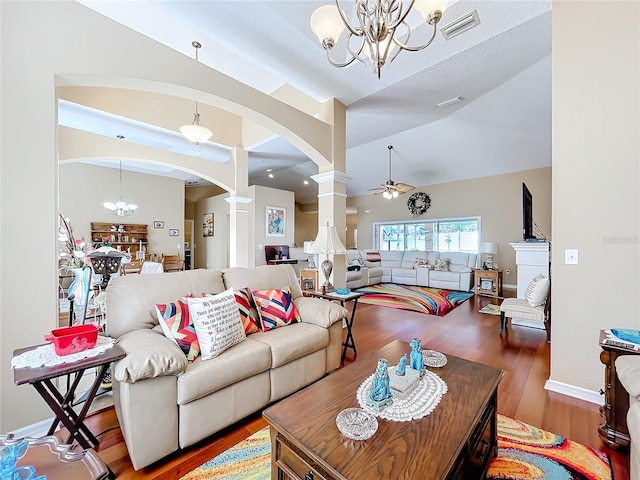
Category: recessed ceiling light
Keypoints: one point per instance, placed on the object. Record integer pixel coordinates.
(451, 101)
(306, 182)
(269, 169)
(271, 175)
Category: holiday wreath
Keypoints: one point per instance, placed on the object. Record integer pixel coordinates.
(418, 203)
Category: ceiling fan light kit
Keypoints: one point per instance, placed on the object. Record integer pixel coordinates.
(195, 132)
(382, 27)
(391, 189)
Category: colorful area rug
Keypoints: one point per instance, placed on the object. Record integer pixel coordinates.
(524, 453)
(490, 309)
(433, 301)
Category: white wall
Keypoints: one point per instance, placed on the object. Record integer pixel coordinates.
(83, 188)
(596, 182)
(212, 252)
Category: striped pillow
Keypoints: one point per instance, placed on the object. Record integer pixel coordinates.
(243, 300)
(275, 308)
(537, 290)
(177, 326)
(249, 321)
(373, 257)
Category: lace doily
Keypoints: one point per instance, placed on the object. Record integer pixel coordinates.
(417, 403)
(45, 355)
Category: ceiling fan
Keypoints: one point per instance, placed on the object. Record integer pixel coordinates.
(391, 189)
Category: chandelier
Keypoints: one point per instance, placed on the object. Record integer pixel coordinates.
(120, 208)
(382, 28)
(195, 132)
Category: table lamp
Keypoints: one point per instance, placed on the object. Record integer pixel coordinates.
(489, 248)
(328, 243)
(105, 261)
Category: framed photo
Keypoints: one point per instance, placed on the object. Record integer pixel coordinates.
(158, 224)
(173, 232)
(276, 221)
(207, 225)
(486, 284)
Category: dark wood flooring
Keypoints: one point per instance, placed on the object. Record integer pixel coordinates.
(522, 353)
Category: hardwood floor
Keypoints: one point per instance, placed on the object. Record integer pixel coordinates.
(522, 353)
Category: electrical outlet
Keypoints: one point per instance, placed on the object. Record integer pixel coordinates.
(507, 271)
(571, 256)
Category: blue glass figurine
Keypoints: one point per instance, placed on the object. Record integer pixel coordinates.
(380, 393)
(417, 363)
(9, 456)
(402, 365)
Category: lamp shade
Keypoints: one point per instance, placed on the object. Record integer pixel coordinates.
(196, 133)
(489, 247)
(327, 242)
(306, 246)
(326, 22)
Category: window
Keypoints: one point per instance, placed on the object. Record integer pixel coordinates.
(448, 235)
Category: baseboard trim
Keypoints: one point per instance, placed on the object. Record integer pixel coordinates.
(35, 430)
(575, 392)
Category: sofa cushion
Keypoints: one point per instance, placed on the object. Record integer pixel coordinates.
(628, 370)
(275, 308)
(373, 256)
(295, 341)
(177, 326)
(441, 265)
(262, 278)
(537, 290)
(244, 301)
(217, 322)
(239, 362)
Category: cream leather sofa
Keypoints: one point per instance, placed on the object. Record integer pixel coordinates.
(402, 268)
(628, 371)
(164, 403)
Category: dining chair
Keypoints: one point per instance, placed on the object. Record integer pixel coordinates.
(172, 263)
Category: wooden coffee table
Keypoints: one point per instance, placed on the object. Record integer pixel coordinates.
(456, 441)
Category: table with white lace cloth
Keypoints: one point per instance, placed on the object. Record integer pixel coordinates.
(45, 355)
(419, 402)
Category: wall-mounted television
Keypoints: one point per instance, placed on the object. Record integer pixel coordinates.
(527, 214)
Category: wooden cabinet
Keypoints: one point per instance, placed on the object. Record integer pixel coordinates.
(613, 431)
(488, 282)
(123, 236)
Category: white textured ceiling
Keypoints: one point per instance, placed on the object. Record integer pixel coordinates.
(502, 68)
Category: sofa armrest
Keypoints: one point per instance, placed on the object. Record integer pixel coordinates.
(465, 270)
(149, 354)
(628, 371)
(319, 312)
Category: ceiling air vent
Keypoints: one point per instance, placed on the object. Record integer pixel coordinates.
(460, 25)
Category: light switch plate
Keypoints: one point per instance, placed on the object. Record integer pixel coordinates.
(571, 256)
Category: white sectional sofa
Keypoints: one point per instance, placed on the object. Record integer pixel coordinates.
(369, 267)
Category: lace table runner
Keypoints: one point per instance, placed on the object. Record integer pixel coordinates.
(45, 355)
(417, 403)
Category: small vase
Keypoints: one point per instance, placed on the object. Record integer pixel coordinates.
(80, 285)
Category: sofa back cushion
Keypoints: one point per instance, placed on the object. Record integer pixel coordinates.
(460, 260)
(413, 259)
(264, 277)
(391, 259)
(132, 299)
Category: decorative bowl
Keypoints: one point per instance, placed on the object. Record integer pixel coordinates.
(356, 423)
(433, 358)
(343, 291)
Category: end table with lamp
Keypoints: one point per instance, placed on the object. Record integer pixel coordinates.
(328, 243)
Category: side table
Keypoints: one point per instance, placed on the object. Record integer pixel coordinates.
(488, 282)
(349, 341)
(613, 431)
(55, 461)
(62, 404)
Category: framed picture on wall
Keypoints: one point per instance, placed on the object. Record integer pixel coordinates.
(158, 224)
(276, 221)
(207, 225)
(173, 232)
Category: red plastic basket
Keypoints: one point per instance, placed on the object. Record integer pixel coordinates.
(70, 340)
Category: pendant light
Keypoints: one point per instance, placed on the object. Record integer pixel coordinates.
(195, 132)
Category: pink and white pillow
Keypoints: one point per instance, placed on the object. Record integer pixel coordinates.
(275, 308)
(176, 324)
(249, 321)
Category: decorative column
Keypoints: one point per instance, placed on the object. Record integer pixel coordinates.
(241, 239)
(532, 258)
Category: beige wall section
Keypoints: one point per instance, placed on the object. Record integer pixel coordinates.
(596, 204)
(83, 48)
(306, 226)
(264, 196)
(212, 252)
(497, 200)
(83, 188)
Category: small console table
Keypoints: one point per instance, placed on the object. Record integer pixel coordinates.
(613, 431)
(488, 282)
